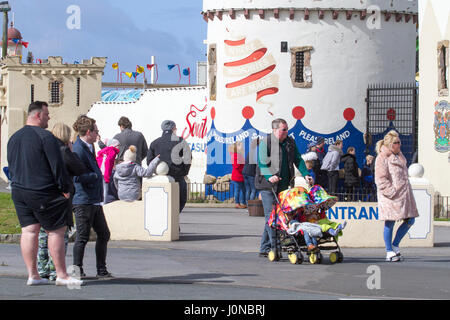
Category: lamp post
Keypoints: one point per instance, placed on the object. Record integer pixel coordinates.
(5, 7)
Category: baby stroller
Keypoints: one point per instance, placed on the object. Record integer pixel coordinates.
(296, 204)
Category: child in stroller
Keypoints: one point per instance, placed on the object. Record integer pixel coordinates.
(301, 224)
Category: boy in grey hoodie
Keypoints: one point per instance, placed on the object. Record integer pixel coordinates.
(331, 165)
(128, 174)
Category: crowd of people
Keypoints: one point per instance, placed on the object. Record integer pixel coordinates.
(76, 180)
(324, 167)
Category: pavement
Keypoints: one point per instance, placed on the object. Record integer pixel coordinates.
(216, 259)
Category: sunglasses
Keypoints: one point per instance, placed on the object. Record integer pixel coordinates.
(397, 142)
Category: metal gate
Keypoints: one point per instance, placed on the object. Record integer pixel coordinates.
(392, 107)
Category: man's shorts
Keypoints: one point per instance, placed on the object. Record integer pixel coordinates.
(46, 208)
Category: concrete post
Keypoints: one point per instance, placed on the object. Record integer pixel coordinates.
(161, 205)
(423, 229)
(154, 218)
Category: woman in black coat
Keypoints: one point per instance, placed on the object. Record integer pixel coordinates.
(351, 172)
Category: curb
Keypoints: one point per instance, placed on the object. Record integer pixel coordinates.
(15, 238)
(10, 238)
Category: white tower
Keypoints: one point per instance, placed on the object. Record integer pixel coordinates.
(306, 59)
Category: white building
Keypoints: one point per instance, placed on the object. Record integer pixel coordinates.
(434, 107)
(309, 62)
(69, 89)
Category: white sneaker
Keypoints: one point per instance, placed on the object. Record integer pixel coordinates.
(36, 282)
(70, 282)
(396, 250)
(392, 257)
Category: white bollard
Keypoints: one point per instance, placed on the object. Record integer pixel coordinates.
(422, 230)
(155, 218)
(161, 205)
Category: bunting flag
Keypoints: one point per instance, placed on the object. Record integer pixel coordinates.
(140, 69)
(18, 41)
(187, 72)
(171, 66)
(134, 74)
(129, 74)
(115, 65)
(150, 67)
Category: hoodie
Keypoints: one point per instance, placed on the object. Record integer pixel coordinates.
(332, 158)
(126, 179)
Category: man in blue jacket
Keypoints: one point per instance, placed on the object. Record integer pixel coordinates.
(87, 200)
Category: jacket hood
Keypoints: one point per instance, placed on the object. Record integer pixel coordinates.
(310, 156)
(125, 169)
(335, 148)
(347, 156)
(385, 151)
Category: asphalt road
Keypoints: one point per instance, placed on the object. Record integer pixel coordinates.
(216, 259)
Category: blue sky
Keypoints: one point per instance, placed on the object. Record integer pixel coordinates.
(128, 32)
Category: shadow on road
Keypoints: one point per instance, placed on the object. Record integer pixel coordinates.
(185, 279)
(205, 237)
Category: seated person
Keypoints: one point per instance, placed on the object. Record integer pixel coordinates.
(333, 228)
(126, 177)
(311, 231)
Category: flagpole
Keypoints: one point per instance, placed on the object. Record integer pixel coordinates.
(152, 74)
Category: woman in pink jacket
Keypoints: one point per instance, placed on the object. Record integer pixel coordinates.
(106, 160)
(395, 196)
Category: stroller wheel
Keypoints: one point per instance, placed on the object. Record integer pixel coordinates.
(340, 256)
(295, 258)
(273, 256)
(313, 258)
(333, 257)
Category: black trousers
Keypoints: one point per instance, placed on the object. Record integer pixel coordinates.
(333, 177)
(87, 216)
(183, 192)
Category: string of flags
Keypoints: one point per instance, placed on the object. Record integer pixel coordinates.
(141, 70)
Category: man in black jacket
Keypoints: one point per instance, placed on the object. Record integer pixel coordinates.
(176, 153)
(128, 137)
(40, 191)
(277, 156)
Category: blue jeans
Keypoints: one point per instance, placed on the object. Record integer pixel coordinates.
(308, 239)
(268, 235)
(401, 232)
(250, 190)
(239, 192)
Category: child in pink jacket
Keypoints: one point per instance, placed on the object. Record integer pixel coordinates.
(106, 157)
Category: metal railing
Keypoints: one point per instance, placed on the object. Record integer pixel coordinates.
(441, 206)
(224, 192)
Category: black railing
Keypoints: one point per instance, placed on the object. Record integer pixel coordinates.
(442, 206)
(223, 192)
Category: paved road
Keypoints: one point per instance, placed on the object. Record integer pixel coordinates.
(216, 258)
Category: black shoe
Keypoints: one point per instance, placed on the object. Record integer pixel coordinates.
(263, 254)
(104, 275)
(78, 272)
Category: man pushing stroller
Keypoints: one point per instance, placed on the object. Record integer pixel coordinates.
(277, 156)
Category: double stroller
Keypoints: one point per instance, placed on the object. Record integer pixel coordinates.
(296, 210)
